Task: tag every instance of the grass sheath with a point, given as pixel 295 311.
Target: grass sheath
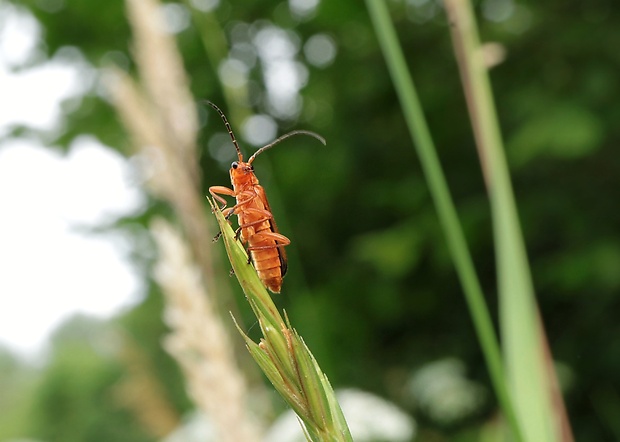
pixel 282 354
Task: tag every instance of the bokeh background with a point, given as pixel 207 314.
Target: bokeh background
pixel 371 286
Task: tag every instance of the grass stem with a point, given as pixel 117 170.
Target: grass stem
pixel 446 210
pixel 530 377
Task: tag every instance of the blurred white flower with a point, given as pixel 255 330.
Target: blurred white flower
pixel 195 428
pixel 369 417
pixel 303 8
pixel 320 50
pixel 441 391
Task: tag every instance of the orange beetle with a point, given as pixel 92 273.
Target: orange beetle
pixel 256 224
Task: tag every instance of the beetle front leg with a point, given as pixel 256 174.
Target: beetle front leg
pixel 216 191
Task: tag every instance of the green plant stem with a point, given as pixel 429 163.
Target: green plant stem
pixel 530 378
pixel 420 134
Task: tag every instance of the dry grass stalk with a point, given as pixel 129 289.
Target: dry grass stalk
pixel 160 114
pixel 164 78
pixel 199 341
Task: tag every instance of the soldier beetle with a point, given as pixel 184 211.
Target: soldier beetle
pixel 257 228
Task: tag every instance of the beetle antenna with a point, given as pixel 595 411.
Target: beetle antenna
pixel 228 128
pixel 284 137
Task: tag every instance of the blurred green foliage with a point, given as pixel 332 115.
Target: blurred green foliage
pixel 372 287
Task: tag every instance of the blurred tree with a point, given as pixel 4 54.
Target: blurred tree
pixel 74 400
pixel 373 290
pixel 17 383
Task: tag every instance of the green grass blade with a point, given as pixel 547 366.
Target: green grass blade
pixel 278 346
pixel 530 380
pixel 311 382
pixel 423 142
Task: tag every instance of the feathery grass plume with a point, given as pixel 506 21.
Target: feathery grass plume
pixel 199 341
pixel 283 355
pixel 160 115
pixel 164 78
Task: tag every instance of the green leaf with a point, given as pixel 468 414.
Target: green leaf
pixel 563 131
pixel 392 252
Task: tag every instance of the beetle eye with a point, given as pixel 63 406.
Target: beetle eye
pixel 234 165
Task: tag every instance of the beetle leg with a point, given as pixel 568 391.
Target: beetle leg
pixel 231 211
pixel 241 201
pixel 216 191
pixel 281 240
pixel 237 232
pixel 251 210
pixel 228 213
